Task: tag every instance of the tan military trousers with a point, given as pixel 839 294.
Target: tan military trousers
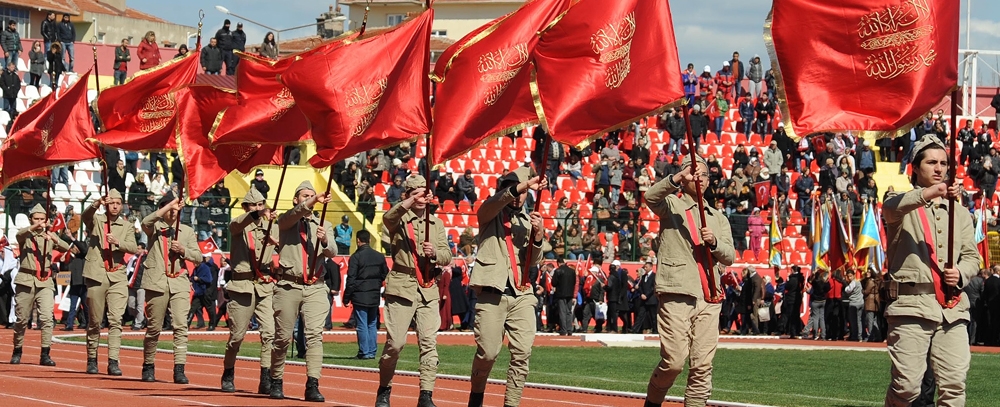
pixel 157 304
pixel 241 308
pixel 41 299
pixel 398 314
pixel 496 316
pixel 104 296
pixel 689 328
pixel 288 301
pixel 911 340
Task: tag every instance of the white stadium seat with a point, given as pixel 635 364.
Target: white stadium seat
pixel 19 105
pixel 44 91
pixel 60 191
pixel 31 92
pixel 91 95
pixel 21 221
pixel 20 65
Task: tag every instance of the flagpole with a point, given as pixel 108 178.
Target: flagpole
pixel 45 242
pixel 710 267
pixel 177 227
pixel 201 18
pixel 542 168
pixel 322 218
pixel 950 292
pixel 104 171
pixel 270 223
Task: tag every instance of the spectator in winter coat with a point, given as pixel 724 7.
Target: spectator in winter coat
pixel 467 187
pixel 67 35
pixel 11 84
pixel 203 282
pixel 239 44
pixel 725 82
pixel 677 130
pixel 268 47
pixel 50 30
pixel 366 271
pixel 122 58
pixel 225 42
pixel 148 52
pixel 36 64
pixel 56 67
pixel 10 41
pixel 773 159
pixel 690 79
pixel 739 72
pixel 765 112
pixel 747 114
pixel 211 58
pixel 755 74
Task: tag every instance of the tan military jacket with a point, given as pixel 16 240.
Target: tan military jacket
pixel 27 274
pixel 154 278
pixel 244 279
pixel 94 268
pixel 290 260
pixel 677 271
pixel 493 261
pixel 402 279
pixel 908 256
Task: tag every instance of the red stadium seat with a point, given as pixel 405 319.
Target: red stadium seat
pixel 448 207
pixel 749 257
pixel 796 219
pixel 465 208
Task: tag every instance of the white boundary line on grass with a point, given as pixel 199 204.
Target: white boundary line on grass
pixel 573 389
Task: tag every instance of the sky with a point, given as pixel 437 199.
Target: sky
pixel 707 31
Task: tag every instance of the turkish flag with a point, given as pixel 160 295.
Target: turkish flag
pixel 864 65
pixel 484 80
pixel 56 136
pixel 59 223
pixel 604 65
pixel 198 106
pixel 371 93
pixel 763 191
pixel 208 246
pixel 139 115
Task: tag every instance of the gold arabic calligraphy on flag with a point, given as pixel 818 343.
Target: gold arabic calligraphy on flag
pixel 362 104
pixel 156 112
pixel 282 102
pixel 499 67
pixel 613 45
pixel 898 38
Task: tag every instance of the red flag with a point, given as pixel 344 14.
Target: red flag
pixel 862 65
pixel 344 92
pixel 59 223
pixel 4 242
pixel 24 119
pixel 483 89
pixel 208 246
pixel 840 245
pixel 763 191
pixel 198 107
pixel 139 115
pixel 604 65
pixel 57 136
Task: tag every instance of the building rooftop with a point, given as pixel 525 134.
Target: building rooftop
pixel 59 6
pixel 78 7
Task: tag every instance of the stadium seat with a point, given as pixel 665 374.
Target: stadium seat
pixel 19 105
pixel 748 256
pixel 21 67
pixel 44 91
pixel 21 221
pixel 31 93
pixel 449 207
pixel 464 208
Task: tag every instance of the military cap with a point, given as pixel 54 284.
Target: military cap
pixel 253 196
pixel 114 194
pixel 413 182
pixel 37 209
pixel 304 186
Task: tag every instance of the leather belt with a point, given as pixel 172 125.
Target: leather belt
pixel 916 288
pixel 508 292
pixel 294 279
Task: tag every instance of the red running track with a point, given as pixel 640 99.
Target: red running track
pixel 29 384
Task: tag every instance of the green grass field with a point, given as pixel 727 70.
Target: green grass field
pixel 783 378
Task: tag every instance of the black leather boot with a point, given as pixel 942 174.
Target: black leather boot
pixel 276 389
pixel 148 372
pixel 265 381
pixel 312 390
pixel 227 380
pixel 45 360
pixel 179 377
pixel 113 368
pixel 15 358
pixel 91 365
pixel 651 404
pixel 426 399
pixel 382 398
pixel 475 399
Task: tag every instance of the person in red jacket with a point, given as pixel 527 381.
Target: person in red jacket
pixel 149 52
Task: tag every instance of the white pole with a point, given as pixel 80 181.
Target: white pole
pixel 968 24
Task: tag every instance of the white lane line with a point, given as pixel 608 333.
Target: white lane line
pixel 39 400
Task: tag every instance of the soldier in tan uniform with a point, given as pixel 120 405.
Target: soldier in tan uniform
pixel 250 287
pixel 296 292
pixel 506 302
pixel 33 286
pixel 169 250
pixel 408 293
pixel 920 328
pixel 109 237
pixel 688 324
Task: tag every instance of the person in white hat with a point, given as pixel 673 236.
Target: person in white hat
pixel 593 289
pixel 300 288
pixel 110 236
pixel 250 287
pixel 725 82
pixel 34 284
pixel 689 295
